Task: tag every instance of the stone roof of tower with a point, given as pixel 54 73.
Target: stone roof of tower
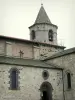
pixel 42 17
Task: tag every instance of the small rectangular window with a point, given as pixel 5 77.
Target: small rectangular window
pixel 69 80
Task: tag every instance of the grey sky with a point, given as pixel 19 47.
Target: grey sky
pixel 17 15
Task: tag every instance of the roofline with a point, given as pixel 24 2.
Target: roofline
pixel 27 62
pixel 31 42
pixel 43 23
pixel 63 53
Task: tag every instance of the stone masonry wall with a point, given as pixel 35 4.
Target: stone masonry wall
pixel 32 51
pixel 68 63
pixel 2 47
pixel 25 48
pixel 47 51
pixel 13 49
pixel 30 80
pixel 29 50
pixel 41 32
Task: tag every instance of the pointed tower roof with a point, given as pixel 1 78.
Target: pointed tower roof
pixel 42 17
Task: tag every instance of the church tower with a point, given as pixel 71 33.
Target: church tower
pixel 43 30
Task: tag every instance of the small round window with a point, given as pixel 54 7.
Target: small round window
pixel 45 74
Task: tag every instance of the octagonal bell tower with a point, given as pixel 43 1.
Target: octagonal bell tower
pixel 43 30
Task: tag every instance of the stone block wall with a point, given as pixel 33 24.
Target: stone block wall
pixel 2 47
pixel 25 48
pixel 30 80
pixel 46 51
pixel 13 49
pixel 68 63
pixel 32 51
pixel 41 33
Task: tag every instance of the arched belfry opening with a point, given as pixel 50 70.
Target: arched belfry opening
pixel 46 91
pixel 50 35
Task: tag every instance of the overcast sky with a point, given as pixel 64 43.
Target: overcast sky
pixel 17 15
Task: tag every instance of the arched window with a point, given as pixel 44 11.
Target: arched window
pixel 50 35
pixel 69 80
pixel 14 79
pixel 33 34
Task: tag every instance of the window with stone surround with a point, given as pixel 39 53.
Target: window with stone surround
pixel 69 80
pixel 14 79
